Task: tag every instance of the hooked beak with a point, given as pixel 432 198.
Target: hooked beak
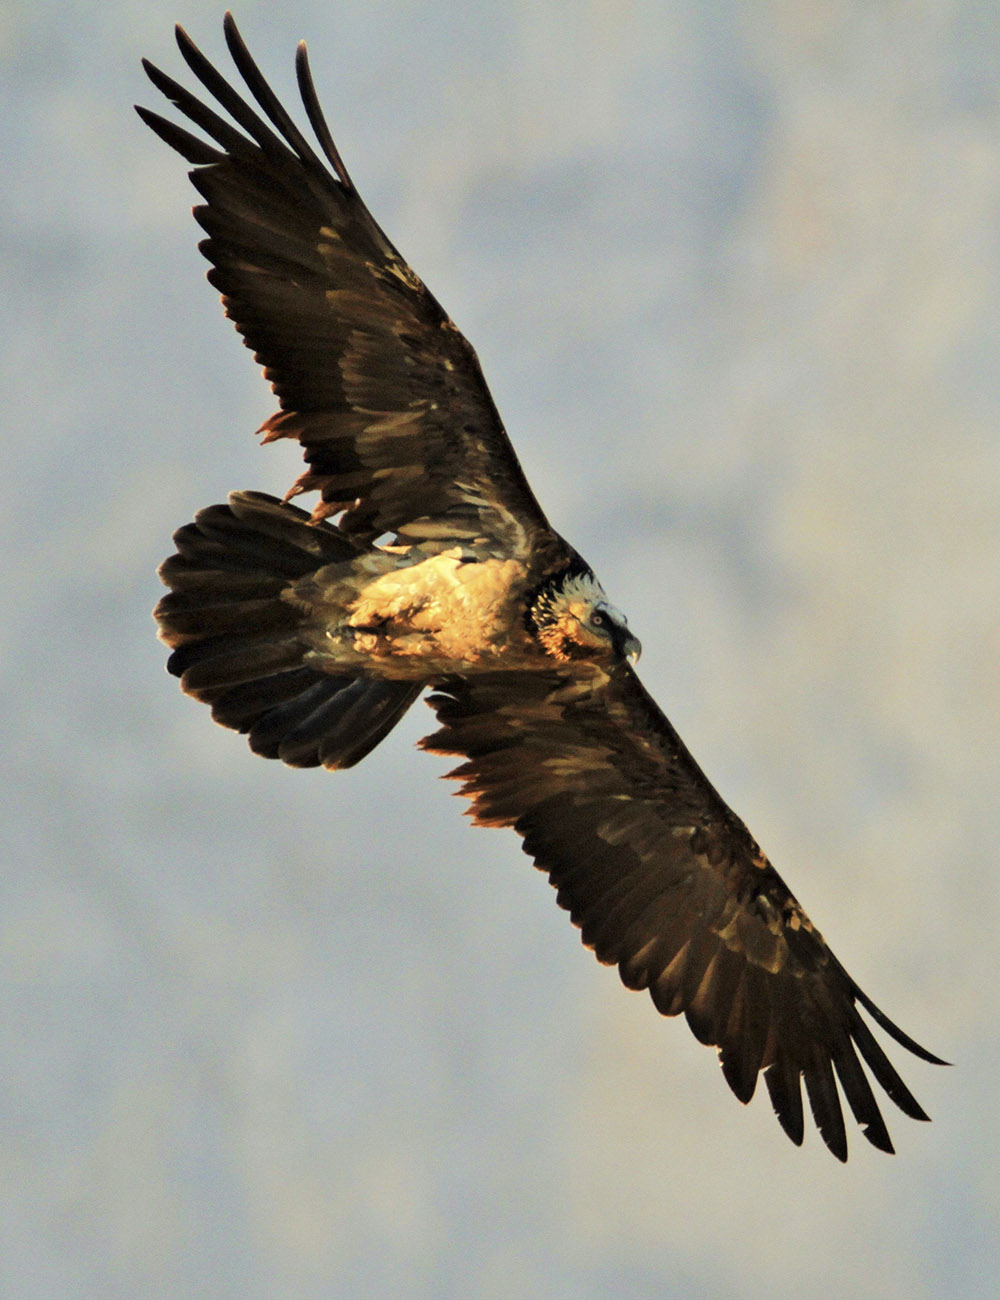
pixel 629 647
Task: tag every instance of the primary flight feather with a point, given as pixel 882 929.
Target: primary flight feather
pixel 428 563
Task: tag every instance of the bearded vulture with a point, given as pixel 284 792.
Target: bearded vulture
pixel 428 563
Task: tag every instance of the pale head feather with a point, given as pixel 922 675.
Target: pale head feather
pixel 574 619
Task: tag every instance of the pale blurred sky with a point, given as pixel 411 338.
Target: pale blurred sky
pixel 732 271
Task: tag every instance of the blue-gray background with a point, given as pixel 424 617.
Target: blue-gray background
pixel 732 271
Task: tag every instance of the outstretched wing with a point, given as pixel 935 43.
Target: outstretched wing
pixel 382 391
pixel 666 883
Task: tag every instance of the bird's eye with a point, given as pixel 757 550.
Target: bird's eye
pixel 597 619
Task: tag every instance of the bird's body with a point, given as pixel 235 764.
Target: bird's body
pixel 428 563
pixel 414 617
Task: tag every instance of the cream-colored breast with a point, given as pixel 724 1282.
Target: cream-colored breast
pixel 460 608
pixel 445 613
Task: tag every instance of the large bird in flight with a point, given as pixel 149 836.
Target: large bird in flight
pixel 428 563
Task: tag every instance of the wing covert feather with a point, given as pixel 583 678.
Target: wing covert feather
pixel 666 882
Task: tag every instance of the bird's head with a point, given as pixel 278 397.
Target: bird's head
pixel 573 619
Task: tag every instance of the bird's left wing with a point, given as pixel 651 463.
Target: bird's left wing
pixel 384 394
pixel 666 883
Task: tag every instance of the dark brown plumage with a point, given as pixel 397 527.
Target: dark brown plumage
pixel 314 634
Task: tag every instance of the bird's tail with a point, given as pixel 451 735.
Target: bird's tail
pixel 235 637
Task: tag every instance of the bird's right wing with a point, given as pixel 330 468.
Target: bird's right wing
pixel 666 883
pixel 384 394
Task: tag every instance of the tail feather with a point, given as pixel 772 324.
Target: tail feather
pixel 335 722
pixel 192 617
pixel 207 667
pixel 184 574
pixel 235 638
pixel 240 706
pixel 258 533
